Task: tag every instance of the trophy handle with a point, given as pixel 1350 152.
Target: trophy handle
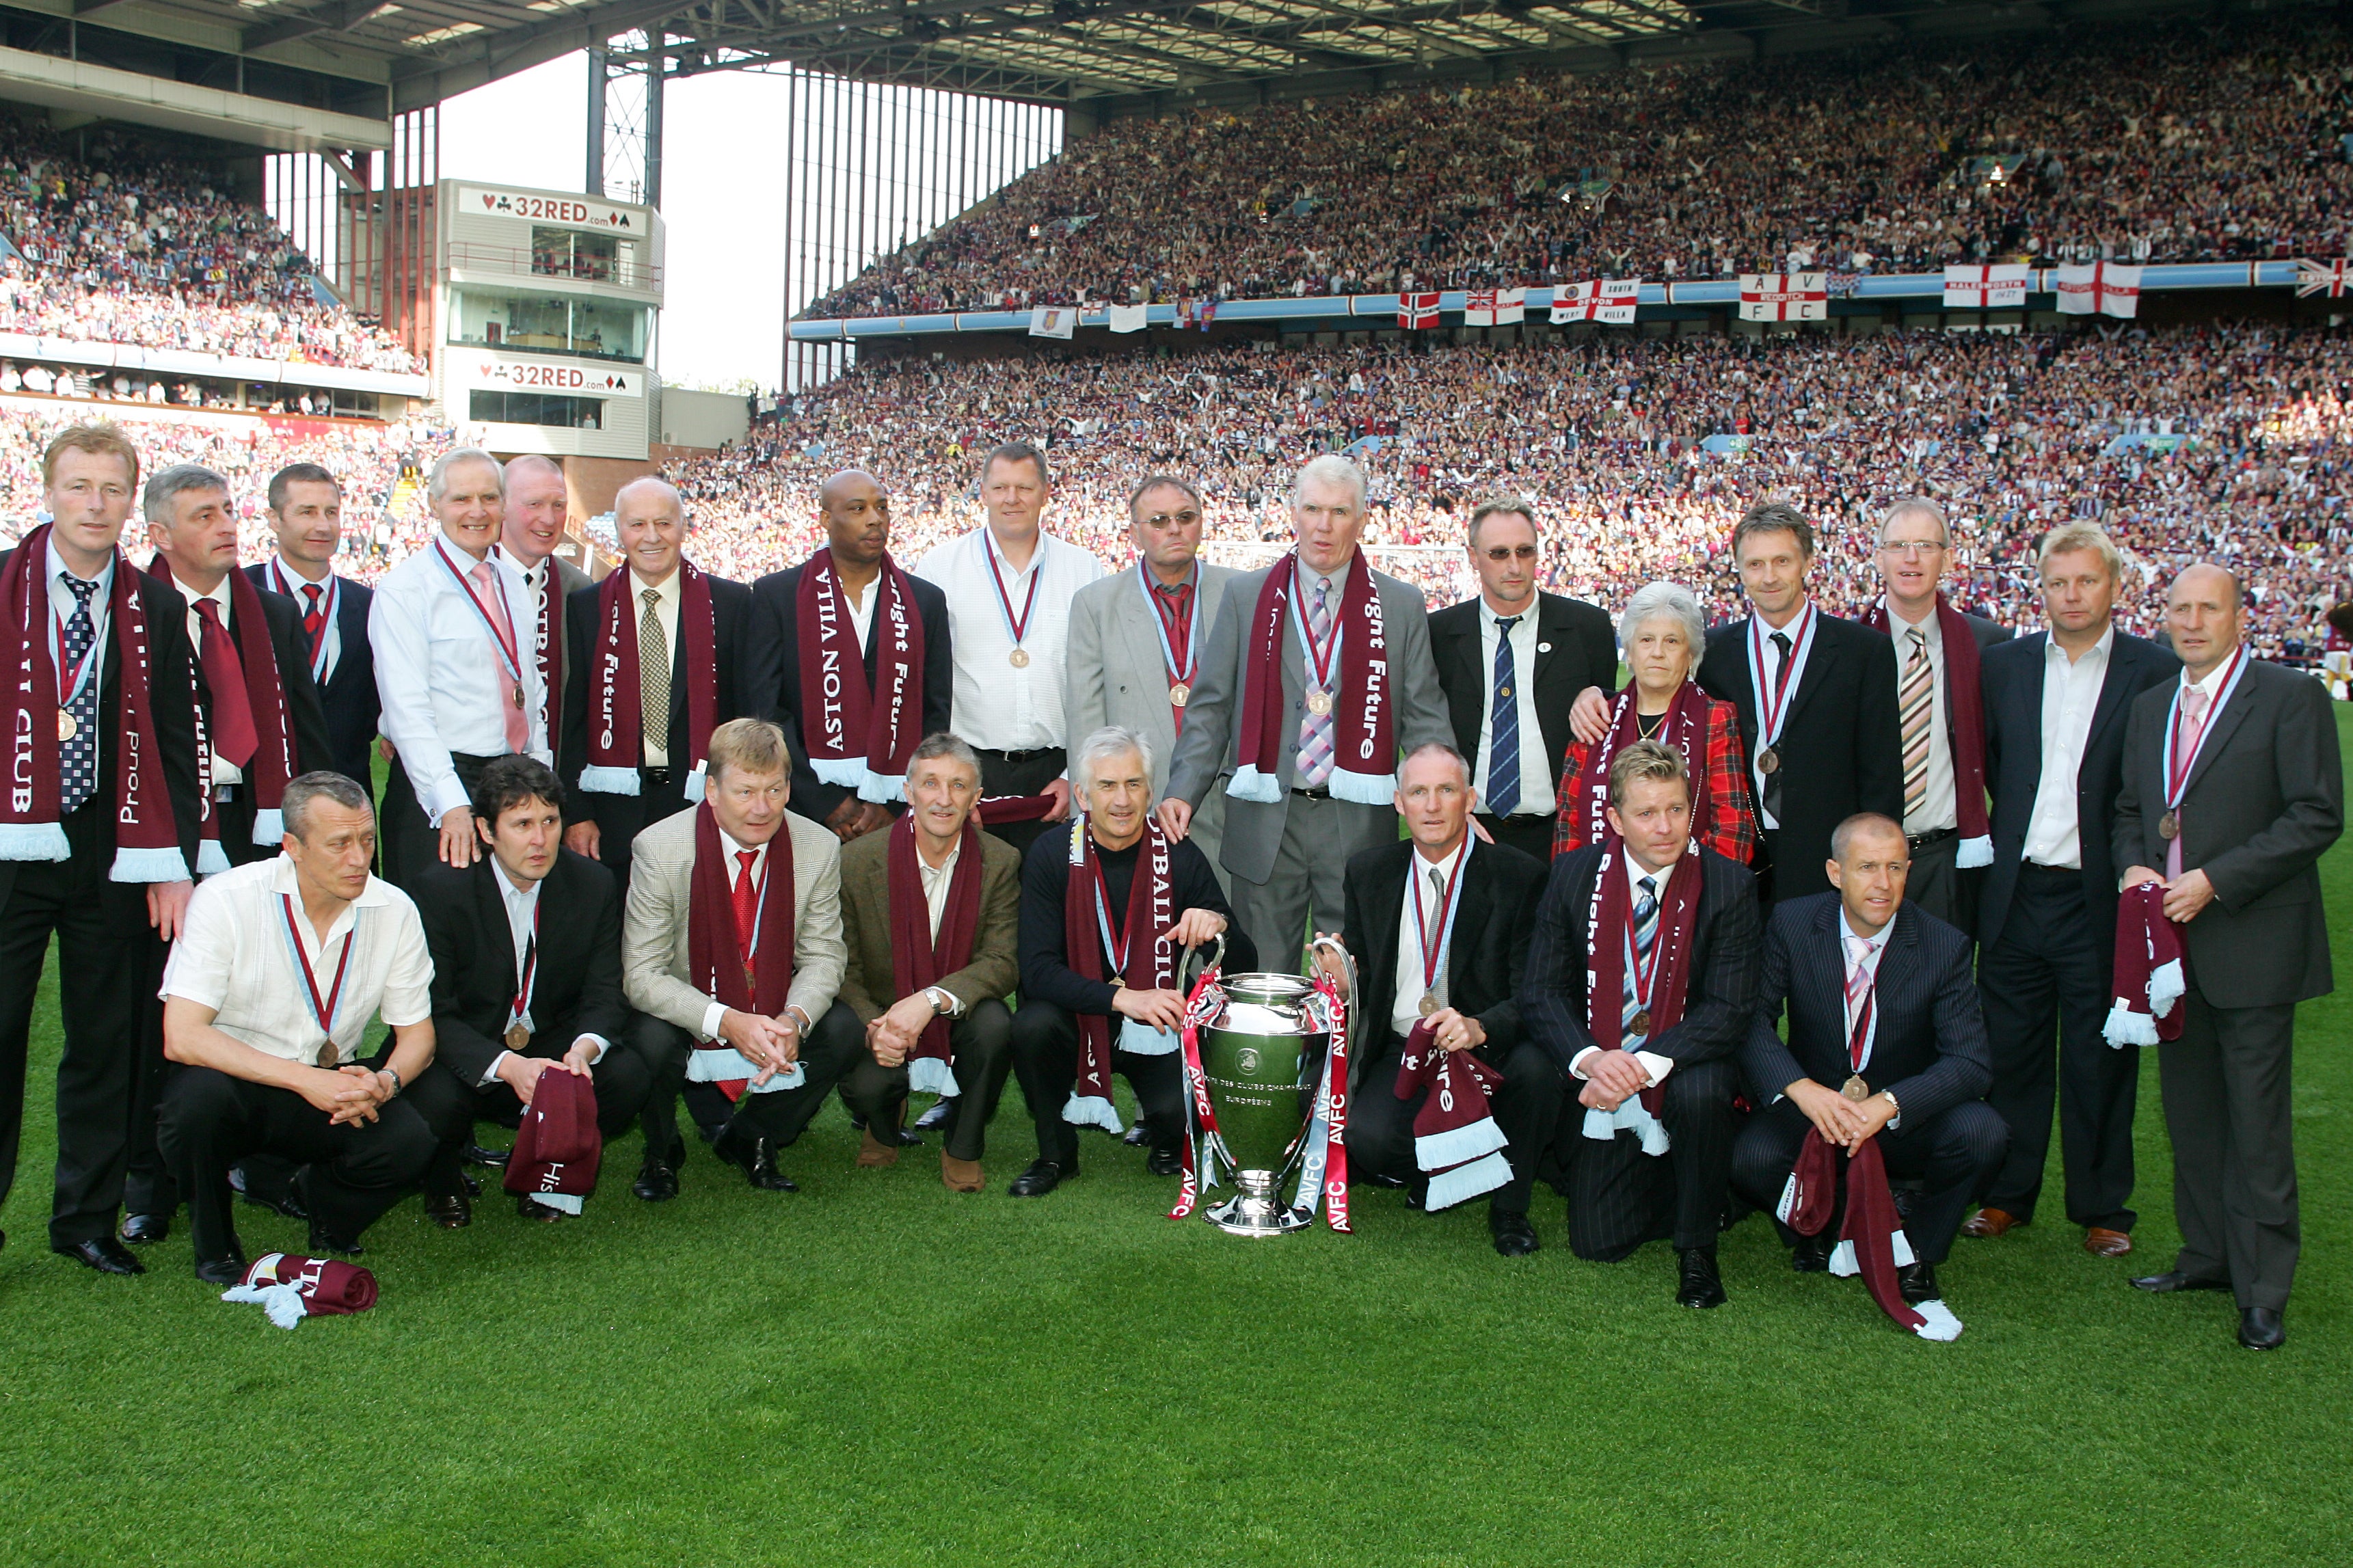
pixel 1347 961
pixel 1217 957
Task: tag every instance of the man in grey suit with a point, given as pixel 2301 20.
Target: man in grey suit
pixel 1285 852
pixel 1137 638
pixel 2233 785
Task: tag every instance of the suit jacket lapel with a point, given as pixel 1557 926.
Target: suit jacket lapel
pixel 490 902
pixel 1471 912
pixel 2219 730
pixel 1810 680
pixel 1389 894
pixel 2117 688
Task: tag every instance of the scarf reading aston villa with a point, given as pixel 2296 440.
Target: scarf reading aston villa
pixel 717 962
pixel 616 706
pixel 557 1145
pixel 918 960
pixel 1364 739
pixel 1964 713
pixel 859 737
pixel 1685 728
pixel 1093 950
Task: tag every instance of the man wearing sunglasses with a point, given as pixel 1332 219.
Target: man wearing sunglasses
pixel 1512 662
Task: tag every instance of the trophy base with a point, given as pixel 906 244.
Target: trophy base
pixel 1254 1210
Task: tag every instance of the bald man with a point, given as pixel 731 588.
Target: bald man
pixel 538 497
pixel 850 653
pixel 656 656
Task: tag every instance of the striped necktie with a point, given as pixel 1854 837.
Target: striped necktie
pixel 1503 724
pixel 653 675
pixel 1646 931
pixel 1916 705
pixel 1315 729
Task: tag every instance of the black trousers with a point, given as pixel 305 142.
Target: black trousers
pixel 980 1046
pixel 1526 1108
pixel 1936 883
pixel 1021 773
pixel 1620 1198
pixel 409 842
pixel 1046 1060
pixel 619 819
pixel 452 1106
pixel 358 1170
pixel 2046 982
pixel 107 957
pixel 2225 1082
pixel 1953 1154
pixel 1529 835
pixel 778 1116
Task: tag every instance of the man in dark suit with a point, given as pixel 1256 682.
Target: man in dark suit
pixel 2055 706
pixel 1817 700
pixel 857 519
pixel 2233 790
pixel 105 871
pixel 306 512
pixel 1512 662
pixel 538 500
pixel 1637 1171
pixel 609 807
pixel 1939 710
pixel 517 995
pixel 1886 1041
pixel 1438 931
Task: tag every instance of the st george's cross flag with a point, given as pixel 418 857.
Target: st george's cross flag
pixel 2102 289
pixel 1784 297
pixel 1609 300
pixel 1986 287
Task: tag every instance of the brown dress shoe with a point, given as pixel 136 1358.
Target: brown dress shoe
pixel 873 1152
pixel 2102 1242
pixel 1988 1222
pixel 961 1175
pixel 450 1211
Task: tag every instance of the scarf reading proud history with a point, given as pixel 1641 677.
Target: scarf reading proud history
pixel 918 960
pixel 616 706
pixel 1965 716
pixel 1090 948
pixel 1660 988
pixel 146 834
pixel 1684 727
pixel 859 737
pixel 715 952
pixel 1364 739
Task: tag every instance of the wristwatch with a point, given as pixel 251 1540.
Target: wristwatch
pixel 396 1085
pixel 1898 1104
pixel 941 1003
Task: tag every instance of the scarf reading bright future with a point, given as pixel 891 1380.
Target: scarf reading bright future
pixel 1683 726
pixel 715 951
pixel 919 959
pixel 616 706
pixel 1608 916
pixel 146 834
pixel 1364 739
pixel 1965 719
pixel 858 737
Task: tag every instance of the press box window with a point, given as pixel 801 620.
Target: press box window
pixel 536 408
pixel 556 323
pixel 570 253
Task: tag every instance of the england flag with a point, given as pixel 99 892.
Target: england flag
pixel 1784 296
pixel 1609 300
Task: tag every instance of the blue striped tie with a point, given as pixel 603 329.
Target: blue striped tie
pixel 1503 750
pixel 1646 931
pixel 78 754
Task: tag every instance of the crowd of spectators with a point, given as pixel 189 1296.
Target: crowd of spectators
pixel 116 246
pixel 2191 141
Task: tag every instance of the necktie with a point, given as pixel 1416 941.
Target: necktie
pixel 1437 987
pixel 1858 997
pixel 1315 729
pixel 1178 614
pixel 78 754
pixel 747 906
pixel 653 674
pixel 1914 707
pixel 1646 931
pixel 517 722
pixel 1772 791
pixel 233 736
pixel 314 617
pixel 1504 753
pixel 2193 725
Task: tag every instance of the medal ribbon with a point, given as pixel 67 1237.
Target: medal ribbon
pixel 1645 980
pixel 1772 710
pixel 321 1012
pixel 1114 952
pixel 1858 1041
pixel 327 603
pixel 2177 777
pixel 1163 622
pixel 1016 629
pixel 1433 959
pixel 506 641
pixel 70 681
pixel 530 970
pixel 1320 664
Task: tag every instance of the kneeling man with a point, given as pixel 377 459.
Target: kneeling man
pixel 1886 1041
pixel 278 968
pixel 526 945
pixel 928 910
pixel 1439 927
pixel 1108 907
pixel 1641 983
pixel 730 949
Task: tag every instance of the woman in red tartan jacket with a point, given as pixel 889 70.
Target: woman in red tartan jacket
pixel 1661 634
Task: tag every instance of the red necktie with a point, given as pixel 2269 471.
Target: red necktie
pixel 747 903
pixel 233 733
pixel 314 619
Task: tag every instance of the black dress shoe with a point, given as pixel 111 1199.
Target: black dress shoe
pixel 1697 1284
pixel 280 1200
pixel 2173 1280
pixel 751 1153
pixel 472 1183
pixel 1385 1181
pixel 141 1228
pixel 452 1211
pixel 1916 1282
pixel 857 1123
pixel 529 1208
pixel 1137 1136
pixel 225 1270
pixel 656 1183
pixel 102 1253
pixel 1812 1253
pixel 909 1139
pixel 1515 1237
pixel 2260 1329
pixel 937 1116
pixel 495 1158
pixel 1042 1177
pixel 325 1242
pixel 1165 1163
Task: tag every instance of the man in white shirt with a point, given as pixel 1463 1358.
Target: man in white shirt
pixel 266 1002
pixel 530 531
pixel 451 632
pixel 305 514
pixel 1009 585
pixel 2055 705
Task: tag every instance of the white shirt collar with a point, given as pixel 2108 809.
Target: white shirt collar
pixel 944 867
pixel 1526 617
pixel 287 573
pixel 1423 865
pixel 59 568
pixel 760 853
pixel 1930 625
pixel 1634 872
pixel 667 590
pixel 2100 649
pixel 283 879
pixel 219 595
pixel 2213 684
pixel 1877 943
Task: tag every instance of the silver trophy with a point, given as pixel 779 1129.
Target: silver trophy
pixel 1260 1049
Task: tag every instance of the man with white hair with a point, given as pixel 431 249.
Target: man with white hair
pixel 451 635
pixel 1307 702
pixel 537 497
pixel 1108 907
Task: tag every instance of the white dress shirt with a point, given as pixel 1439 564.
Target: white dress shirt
pixel 668 595
pixel 442 676
pixel 61 609
pixel 1535 773
pixel 862 604
pixel 225 773
pixel 285 578
pixel 1940 803
pixel 2071 694
pixel 1405 1010
pixel 522 927
pixel 997 707
pixel 936 882
pixel 1800 631
pixel 235 955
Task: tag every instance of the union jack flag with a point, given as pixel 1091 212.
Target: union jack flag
pixel 2312 277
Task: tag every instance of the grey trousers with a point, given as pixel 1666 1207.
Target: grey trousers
pixel 1319 836
pixel 2225 1083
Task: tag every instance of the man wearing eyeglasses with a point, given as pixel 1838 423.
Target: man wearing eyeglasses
pixel 1940 712
pixel 1512 662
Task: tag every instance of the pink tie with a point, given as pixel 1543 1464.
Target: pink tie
pixel 518 722
pixel 2193 725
